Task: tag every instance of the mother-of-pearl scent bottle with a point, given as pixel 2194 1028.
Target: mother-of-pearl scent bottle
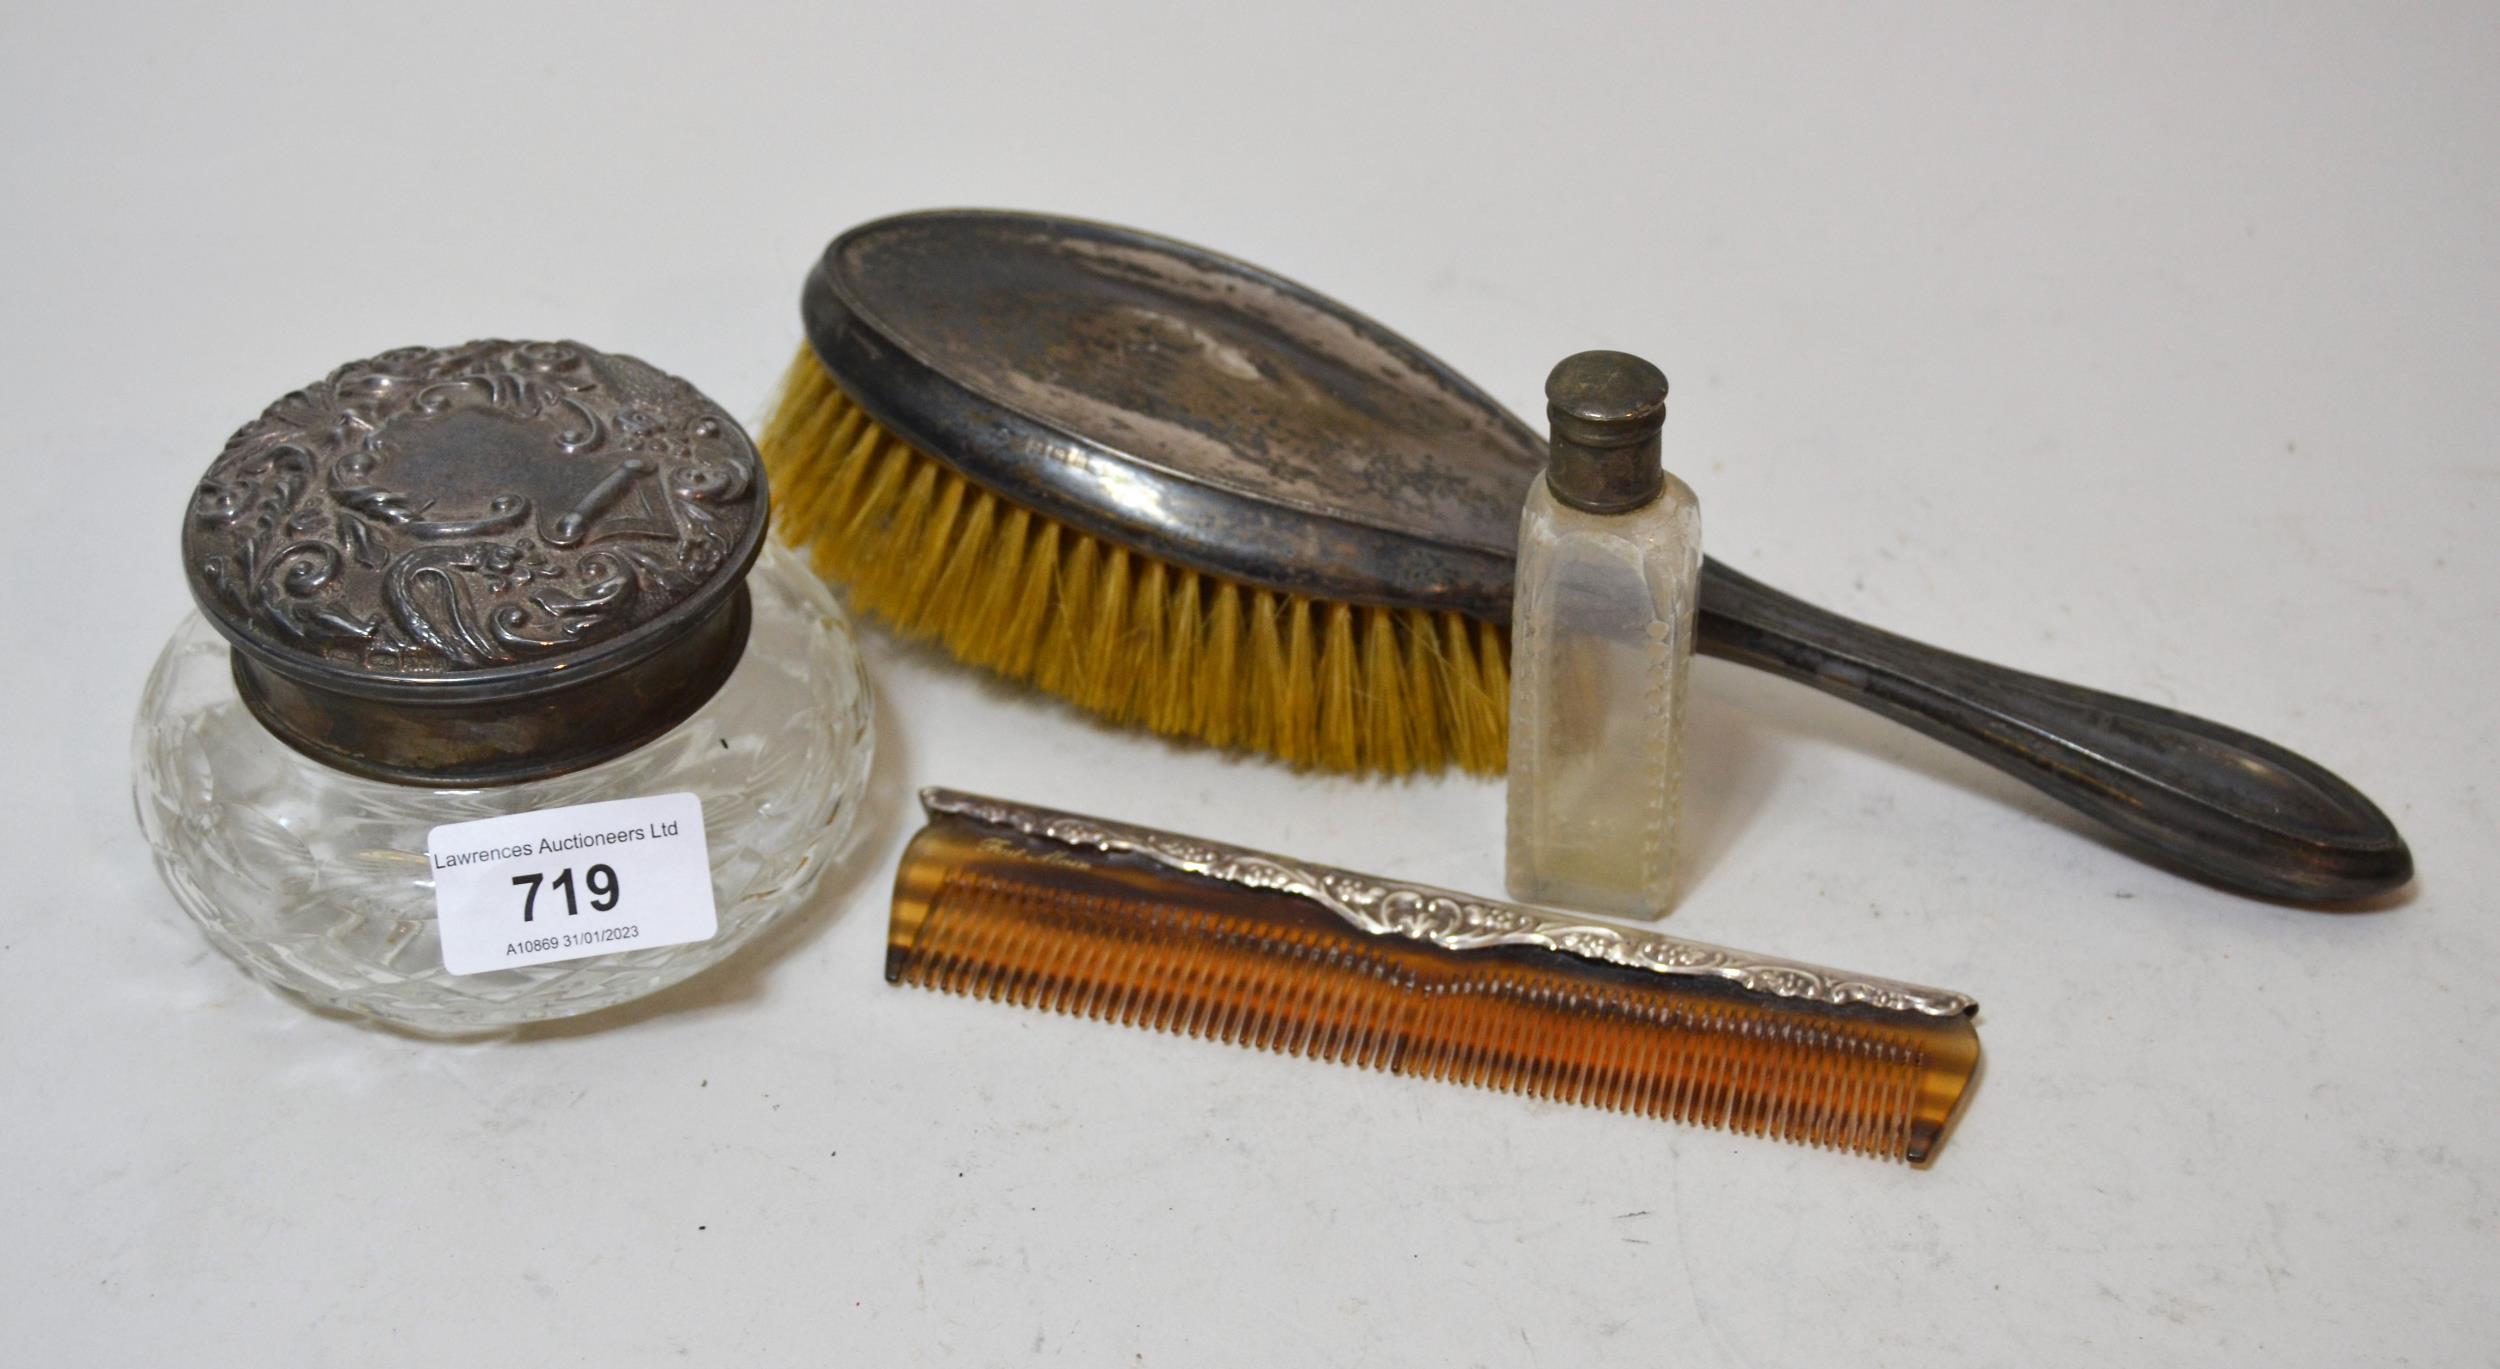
pixel 1601 636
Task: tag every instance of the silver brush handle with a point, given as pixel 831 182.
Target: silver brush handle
pixel 2231 808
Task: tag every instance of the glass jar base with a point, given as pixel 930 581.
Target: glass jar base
pixel 318 882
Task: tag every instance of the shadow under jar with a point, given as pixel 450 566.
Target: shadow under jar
pixel 451 584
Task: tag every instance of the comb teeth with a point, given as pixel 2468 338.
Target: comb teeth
pixel 1538 1024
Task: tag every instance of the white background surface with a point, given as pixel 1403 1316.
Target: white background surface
pixel 2151 348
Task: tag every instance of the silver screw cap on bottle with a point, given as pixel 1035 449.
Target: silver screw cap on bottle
pixel 481 564
pixel 1606 409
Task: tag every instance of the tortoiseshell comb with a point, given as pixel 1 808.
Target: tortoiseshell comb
pixel 1053 910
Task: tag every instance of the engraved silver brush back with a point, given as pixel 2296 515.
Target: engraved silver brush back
pixel 1179 402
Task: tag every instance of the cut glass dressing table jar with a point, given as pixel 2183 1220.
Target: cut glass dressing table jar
pixel 452 584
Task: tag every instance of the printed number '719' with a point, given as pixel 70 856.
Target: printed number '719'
pixel 599 879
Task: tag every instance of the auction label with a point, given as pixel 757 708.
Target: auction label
pixel 563 883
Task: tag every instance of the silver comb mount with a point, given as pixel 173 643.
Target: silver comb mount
pixel 1451 921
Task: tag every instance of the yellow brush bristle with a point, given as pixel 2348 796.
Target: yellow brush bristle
pixel 1139 640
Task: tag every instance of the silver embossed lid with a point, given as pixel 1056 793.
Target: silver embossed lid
pixel 479 564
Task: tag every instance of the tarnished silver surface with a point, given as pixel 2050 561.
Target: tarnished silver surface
pixel 1208 413
pixel 480 563
pixel 1605 410
pixel 1449 920
pixel 1180 402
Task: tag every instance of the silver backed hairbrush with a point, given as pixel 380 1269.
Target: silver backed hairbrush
pixel 1196 497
